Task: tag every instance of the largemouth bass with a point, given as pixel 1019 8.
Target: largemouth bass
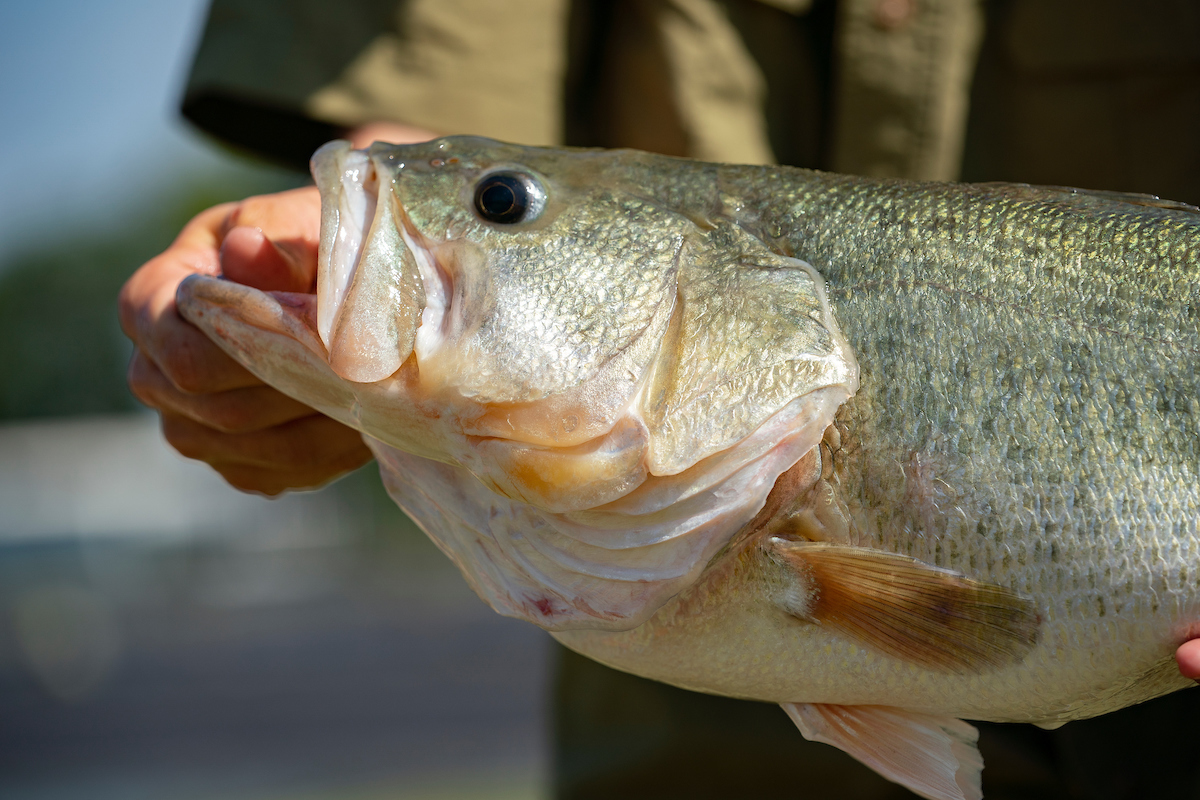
pixel 886 453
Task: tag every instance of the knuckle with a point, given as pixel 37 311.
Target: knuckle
pixel 254 481
pixel 145 382
pixel 181 435
pixel 126 309
pixel 144 395
pixel 137 374
pixel 138 293
pixel 185 373
pixel 232 418
pixel 131 302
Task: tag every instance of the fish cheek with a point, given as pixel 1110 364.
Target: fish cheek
pixel 584 412
pixel 753 331
pixel 569 299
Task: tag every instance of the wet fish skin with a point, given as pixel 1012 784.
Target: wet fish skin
pixel 1027 414
pixel 1024 413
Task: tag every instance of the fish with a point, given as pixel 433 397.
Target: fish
pixel 890 454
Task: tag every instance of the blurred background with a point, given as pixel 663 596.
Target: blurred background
pixel 161 635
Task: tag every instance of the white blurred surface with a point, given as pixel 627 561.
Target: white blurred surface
pixel 115 477
pixel 164 636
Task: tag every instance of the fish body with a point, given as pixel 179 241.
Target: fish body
pixel 885 453
pixel 1026 415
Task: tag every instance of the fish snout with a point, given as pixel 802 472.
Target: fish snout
pixel 370 287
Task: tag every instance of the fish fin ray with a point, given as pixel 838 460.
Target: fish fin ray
pixel 935 757
pixel 906 609
pixel 1100 199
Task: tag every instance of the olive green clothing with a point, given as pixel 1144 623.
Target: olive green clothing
pixel 1096 93
pixel 723 81
pixel 1100 94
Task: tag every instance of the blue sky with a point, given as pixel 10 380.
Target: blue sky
pixel 88 97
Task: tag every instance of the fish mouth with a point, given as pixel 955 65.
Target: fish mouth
pixel 354 198
pixel 371 315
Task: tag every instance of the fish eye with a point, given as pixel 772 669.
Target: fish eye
pixel 508 197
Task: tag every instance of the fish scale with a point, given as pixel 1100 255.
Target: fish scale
pixel 1027 456
pixel 886 453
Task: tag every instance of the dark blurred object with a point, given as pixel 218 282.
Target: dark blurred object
pixel 244 40
pixel 1098 94
pixel 617 735
pixel 277 133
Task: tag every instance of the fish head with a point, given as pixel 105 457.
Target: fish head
pixel 497 268
pixel 583 338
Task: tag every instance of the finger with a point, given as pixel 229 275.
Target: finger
pixel 271 482
pixel 192 362
pixel 314 444
pixel 250 258
pixel 234 411
pixel 281 255
pixel 1188 659
pixel 194 250
pixel 148 314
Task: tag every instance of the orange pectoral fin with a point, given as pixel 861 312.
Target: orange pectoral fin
pixel 907 609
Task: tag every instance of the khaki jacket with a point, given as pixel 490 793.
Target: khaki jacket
pixel 1093 93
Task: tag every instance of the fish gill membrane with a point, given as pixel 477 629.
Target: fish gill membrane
pixel 622 393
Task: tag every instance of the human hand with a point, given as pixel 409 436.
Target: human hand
pixel 212 409
pixel 1188 659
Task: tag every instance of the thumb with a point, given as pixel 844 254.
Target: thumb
pixel 1188 658
pixel 249 257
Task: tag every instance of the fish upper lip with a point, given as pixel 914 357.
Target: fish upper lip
pixel 355 211
pixel 356 185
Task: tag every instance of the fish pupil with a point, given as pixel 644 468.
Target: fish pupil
pixel 502 198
